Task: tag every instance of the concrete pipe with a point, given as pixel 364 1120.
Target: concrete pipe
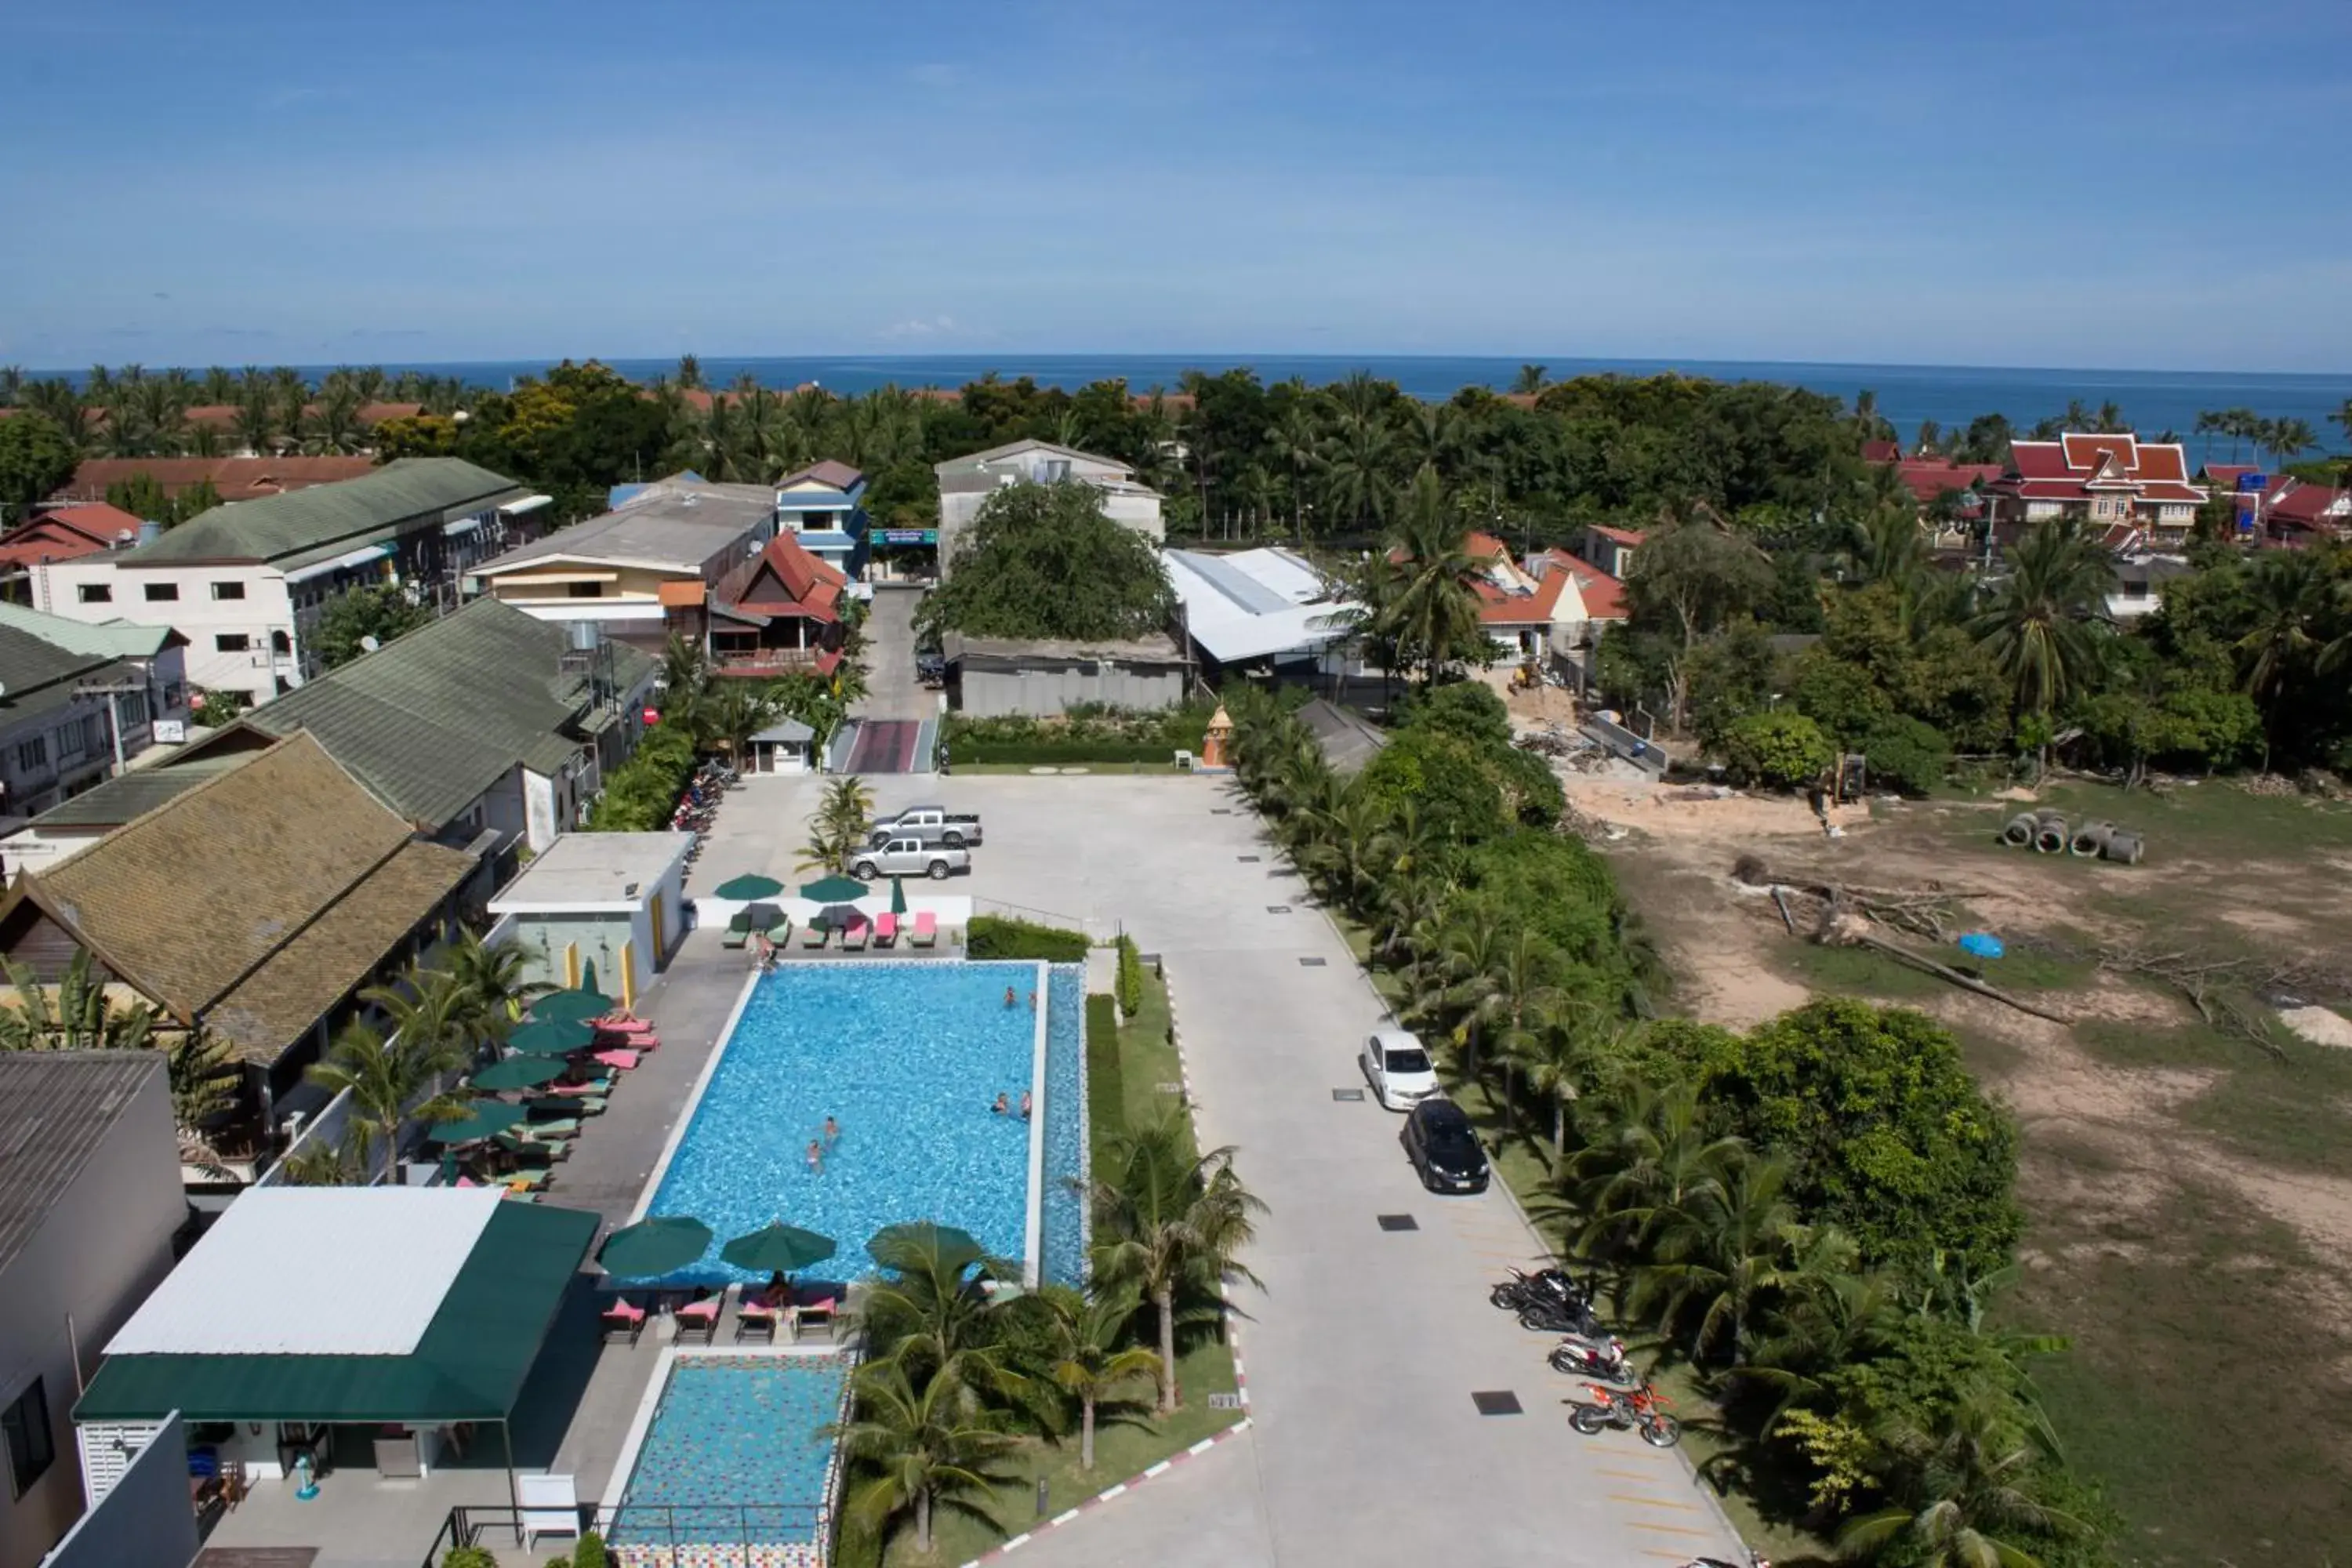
pixel 2050 837
pixel 2021 830
pixel 2123 846
pixel 2050 813
pixel 2090 840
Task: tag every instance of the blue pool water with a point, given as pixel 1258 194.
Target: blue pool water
pixel 733 1450
pixel 1063 1257
pixel 907 1058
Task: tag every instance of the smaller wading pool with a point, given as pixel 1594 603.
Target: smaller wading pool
pixel 728 1470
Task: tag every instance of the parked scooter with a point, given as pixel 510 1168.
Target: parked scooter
pixel 1604 1360
pixel 1522 1289
pixel 1560 1318
pixel 1637 1410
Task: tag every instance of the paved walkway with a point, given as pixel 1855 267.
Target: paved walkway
pixel 891 690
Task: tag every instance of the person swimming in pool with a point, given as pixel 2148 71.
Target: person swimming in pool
pixel 1011 998
pixel 815 1158
pixel 1024 1105
pixel 1003 1107
pixel 832 1132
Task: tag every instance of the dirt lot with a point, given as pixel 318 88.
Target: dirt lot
pixel 2189 1189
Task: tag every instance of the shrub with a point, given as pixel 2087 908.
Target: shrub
pixel 1468 710
pixel 640 795
pixel 1130 976
pixel 1444 779
pixel 477 1557
pixel 1909 753
pixel 1780 749
pixel 1000 936
pixel 1084 734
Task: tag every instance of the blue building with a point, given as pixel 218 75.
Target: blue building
pixel 824 505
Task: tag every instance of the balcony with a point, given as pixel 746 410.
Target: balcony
pixel 767 663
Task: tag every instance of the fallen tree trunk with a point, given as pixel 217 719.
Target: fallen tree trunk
pixel 1947 973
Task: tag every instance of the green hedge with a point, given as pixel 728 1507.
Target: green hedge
pixel 1130 976
pixel 979 751
pixel 997 936
pixel 1084 734
pixel 1105 1088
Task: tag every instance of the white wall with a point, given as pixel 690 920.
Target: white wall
pixel 197 613
pixel 105 1243
pixel 143 1518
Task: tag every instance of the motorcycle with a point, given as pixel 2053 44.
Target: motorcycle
pixel 1636 1410
pixel 1605 1362
pixel 1545 1285
pixel 1560 1318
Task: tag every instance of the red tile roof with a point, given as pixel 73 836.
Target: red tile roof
pixel 1484 546
pixel 1625 536
pixel 1931 476
pixel 2078 462
pixel 828 473
pixel 65 533
pixel 2311 506
pixel 236 478
pixel 1604 595
pixel 1881 452
pixel 785 579
pixel 1500 606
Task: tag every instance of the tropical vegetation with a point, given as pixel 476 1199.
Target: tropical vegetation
pixel 1046 561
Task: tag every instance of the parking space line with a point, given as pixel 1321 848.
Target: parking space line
pixel 1627 1475
pixel 1669 1530
pixel 1651 1502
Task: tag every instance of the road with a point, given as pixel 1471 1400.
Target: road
pixel 1366 1345
pixel 891 690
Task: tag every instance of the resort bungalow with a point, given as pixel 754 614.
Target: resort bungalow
pixel 486 722
pixel 355 1336
pixel 89 1206
pixel 966 482
pixel 257 906
pixel 643 569
pixel 2109 481
pixel 247 581
pixel 1529 616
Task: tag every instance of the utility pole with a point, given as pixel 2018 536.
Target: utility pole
pixel 110 689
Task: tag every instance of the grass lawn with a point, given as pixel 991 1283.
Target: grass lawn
pixel 1129 1441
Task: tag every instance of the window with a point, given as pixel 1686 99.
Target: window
pixel 585 590
pixel 175 695
pixel 231 642
pixel 94 736
pixel 228 590
pixel 33 753
pixel 32 1446
pixel 280 643
pixel 134 709
pixel 158 592
pixel 94 593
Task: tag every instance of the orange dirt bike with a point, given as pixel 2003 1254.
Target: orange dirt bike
pixel 1637 1409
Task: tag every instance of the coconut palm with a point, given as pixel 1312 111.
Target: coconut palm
pixel 930 1451
pixel 1717 1248
pixel 1553 1055
pixel 491 991
pixel 391 1080
pixel 2037 625
pixel 2289 591
pixel 1433 613
pixel 2288 439
pixel 1356 460
pixel 1647 1151
pixel 1530 379
pixel 1091 1362
pixel 1964 1491
pixel 1168 1222
pixel 930 1308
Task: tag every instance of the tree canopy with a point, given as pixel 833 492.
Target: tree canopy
pixel 1043 561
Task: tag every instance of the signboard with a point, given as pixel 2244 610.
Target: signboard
pixel 171 731
pixel 2253 482
pixel 907 536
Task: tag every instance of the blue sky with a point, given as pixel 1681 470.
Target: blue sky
pixel 2001 184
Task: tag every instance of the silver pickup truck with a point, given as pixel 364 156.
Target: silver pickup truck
pixel 931 824
pixel 908 856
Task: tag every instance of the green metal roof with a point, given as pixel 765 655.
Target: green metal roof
pixel 105 639
pixel 327 518
pixel 470 1365
pixel 435 718
pixel 38 675
pixel 138 792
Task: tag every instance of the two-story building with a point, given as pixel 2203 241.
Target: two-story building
pixel 246 583
pixel 967 482
pixel 823 506
pixel 779 612
pixel 62 533
pixel 642 569
pixel 2114 483
pixel 77 701
pixel 483 722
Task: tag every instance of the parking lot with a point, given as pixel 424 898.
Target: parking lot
pixel 1373 1333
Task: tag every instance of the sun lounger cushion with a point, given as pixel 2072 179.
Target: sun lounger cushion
pixel 813 936
pixel 927 928
pixel 617 1058
pixel 886 927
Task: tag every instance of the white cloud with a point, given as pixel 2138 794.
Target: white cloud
pixel 918 328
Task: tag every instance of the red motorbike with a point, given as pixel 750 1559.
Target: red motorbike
pixel 1636 1409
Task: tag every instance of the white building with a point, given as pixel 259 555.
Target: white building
pixel 967 481
pixel 79 701
pixel 613 900
pixel 1253 604
pixel 246 583
pixel 88 1209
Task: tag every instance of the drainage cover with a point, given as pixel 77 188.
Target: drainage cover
pixel 1399 1222
pixel 1249 860
pixel 1277 909
pixel 1224 1402
pixel 1351 1094
pixel 1221 811
pixel 1495 1402
pixel 1311 962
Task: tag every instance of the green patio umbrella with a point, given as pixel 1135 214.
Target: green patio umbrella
pixel 654 1246
pixel 834 891
pixel 488 1117
pixel 748 887
pixel 954 1249
pixel 551 1037
pixel 584 1003
pixel 777 1249
pixel 518 1072
pixel 897 895
pixel 588 982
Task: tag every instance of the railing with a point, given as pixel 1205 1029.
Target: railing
pixel 780 660
pixel 1099 932
pixel 724 1535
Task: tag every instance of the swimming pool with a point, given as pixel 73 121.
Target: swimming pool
pixel 731 1467
pixel 907 1058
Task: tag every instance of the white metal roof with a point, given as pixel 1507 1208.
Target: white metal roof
pixel 594 871
pixel 1254 603
pixel 314 1271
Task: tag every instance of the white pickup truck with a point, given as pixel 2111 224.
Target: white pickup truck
pixel 908 856
pixel 932 825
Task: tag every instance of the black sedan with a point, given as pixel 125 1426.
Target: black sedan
pixel 1443 1147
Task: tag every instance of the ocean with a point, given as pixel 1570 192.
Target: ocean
pixel 2152 401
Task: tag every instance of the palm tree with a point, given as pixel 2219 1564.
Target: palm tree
pixel 1295 440
pixel 1357 461
pixel 930 1308
pixel 1553 1056
pixel 1090 1359
pixel 1167 1221
pixel 930 1451
pixel 2288 439
pixel 1433 614
pixel 1470 952
pixel 1529 380
pixel 2037 625
pixel 490 987
pixel 1719 1247
pixel 392 1080
pixel 1647 1151
pixel 1965 1491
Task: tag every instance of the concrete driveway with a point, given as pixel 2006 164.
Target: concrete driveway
pixel 891 690
pixel 1368 1343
